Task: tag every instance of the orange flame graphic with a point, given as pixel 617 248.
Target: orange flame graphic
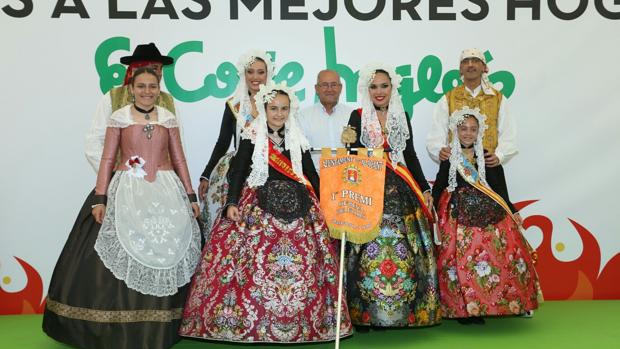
pixel 27 301
pixel 577 279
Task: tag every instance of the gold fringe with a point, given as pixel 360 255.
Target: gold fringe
pixel 111 316
pixel 357 238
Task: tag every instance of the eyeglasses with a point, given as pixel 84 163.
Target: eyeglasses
pixel 326 85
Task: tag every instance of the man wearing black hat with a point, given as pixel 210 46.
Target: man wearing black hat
pixel 146 55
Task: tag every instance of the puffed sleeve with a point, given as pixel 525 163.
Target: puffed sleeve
pixel 108 160
pixel 179 162
pixel 227 131
pixel 506 134
pixel 437 137
pixel 95 136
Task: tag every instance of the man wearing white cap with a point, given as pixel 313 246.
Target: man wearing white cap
pixel 476 92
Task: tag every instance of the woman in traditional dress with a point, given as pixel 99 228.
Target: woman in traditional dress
pixel 484 262
pixel 392 280
pixel 269 273
pixel 121 284
pixel 255 68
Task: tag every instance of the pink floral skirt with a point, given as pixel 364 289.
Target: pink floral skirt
pixel 485 269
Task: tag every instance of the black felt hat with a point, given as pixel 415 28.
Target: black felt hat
pixel 148 52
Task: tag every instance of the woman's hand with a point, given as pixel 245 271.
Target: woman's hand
pixel 98 212
pixel 429 199
pixel 232 212
pixel 202 189
pixel 348 135
pixel 196 209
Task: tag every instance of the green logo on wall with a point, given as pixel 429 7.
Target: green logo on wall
pixel 431 81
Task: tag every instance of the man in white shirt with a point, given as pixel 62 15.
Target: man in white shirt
pixel 322 123
pixel 476 92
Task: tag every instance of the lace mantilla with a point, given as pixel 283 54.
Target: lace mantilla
pixel 136 275
pixel 295 142
pixel 241 95
pixel 456 154
pixel 396 121
pixel 122 118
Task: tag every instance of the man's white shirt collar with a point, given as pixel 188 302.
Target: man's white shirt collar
pixel 475 92
pixel 325 110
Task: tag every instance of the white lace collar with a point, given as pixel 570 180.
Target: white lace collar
pixel 122 118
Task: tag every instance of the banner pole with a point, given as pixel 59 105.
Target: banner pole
pixel 343 239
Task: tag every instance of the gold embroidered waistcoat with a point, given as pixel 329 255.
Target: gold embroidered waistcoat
pixel 489 106
pixel 121 97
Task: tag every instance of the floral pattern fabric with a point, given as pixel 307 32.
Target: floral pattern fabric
pixel 266 280
pixel 485 267
pixel 392 280
pixel 216 194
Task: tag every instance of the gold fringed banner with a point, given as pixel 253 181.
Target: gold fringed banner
pixel 352 193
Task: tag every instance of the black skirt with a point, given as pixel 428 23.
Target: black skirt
pixel 87 307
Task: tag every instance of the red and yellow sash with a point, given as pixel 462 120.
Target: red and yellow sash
pixel 404 173
pixel 282 164
pixel 466 171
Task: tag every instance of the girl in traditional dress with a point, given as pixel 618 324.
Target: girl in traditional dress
pixel 121 285
pixel 392 280
pixel 255 68
pixel 485 265
pixel 269 273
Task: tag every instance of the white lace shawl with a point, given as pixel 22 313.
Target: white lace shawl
pixel 241 94
pixel 122 118
pixel 456 153
pixel 396 121
pixel 295 141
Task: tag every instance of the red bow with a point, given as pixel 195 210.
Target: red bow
pixel 134 161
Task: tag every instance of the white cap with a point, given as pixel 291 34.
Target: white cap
pixel 473 53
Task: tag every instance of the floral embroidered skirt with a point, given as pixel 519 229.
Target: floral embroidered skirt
pixel 266 279
pixel 485 265
pixel 216 194
pixel 87 307
pixel 392 280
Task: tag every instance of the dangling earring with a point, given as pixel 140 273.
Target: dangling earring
pixel 133 98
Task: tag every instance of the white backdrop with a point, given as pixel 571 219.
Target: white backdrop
pixel 565 103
